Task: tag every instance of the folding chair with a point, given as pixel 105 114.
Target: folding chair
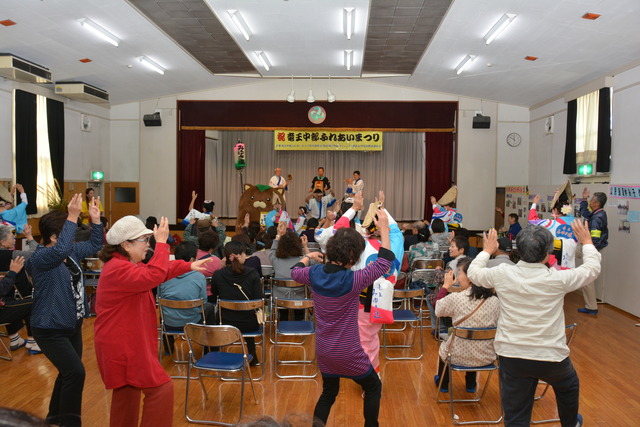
pixel 407 315
pixel 298 328
pixel 249 305
pixel 216 361
pixel 8 357
pixel 570 330
pixel 166 330
pixel 475 334
pixel 267 276
pixel 283 283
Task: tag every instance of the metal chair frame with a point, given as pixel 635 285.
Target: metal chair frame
pixel 570 330
pixel 246 305
pixel 406 315
pixel 178 305
pixel 9 356
pixel 468 334
pixel 215 336
pixel 283 283
pixel 284 303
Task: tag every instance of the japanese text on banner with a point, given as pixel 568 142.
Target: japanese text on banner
pixel 327 140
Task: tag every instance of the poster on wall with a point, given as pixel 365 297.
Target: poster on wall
pixel 624 191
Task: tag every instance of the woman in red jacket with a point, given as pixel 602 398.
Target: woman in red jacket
pixel 126 334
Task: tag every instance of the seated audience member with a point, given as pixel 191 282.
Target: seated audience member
pixel 310 232
pixel 411 238
pixel 335 290
pixel 188 286
pixel 263 243
pixel 278 215
pixel 251 261
pixel 286 251
pixel 501 256
pixel 514 226
pixel 423 248
pixel 438 234
pixel 318 204
pixel 472 307
pixel 13 217
pixel 208 247
pixel 152 222
pixel 531 350
pixel 237 282
pixel 15 294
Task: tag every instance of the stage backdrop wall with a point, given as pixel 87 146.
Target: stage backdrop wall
pixel 398 170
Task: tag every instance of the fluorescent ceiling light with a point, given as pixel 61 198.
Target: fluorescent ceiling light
pixel 99 31
pixel 348 59
pixel 465 63
pixel 499 27
pixel 263 59
pixel 348 21
pixel 240 23
pixel 152 65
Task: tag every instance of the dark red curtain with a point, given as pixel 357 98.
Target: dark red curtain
pixel 191 154
pixel 439 167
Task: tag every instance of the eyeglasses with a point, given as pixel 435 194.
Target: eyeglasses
pixel 142 239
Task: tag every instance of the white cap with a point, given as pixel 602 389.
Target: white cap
pixel 126 228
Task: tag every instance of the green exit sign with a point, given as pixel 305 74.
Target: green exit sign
pixel 97 175
pixel 585 169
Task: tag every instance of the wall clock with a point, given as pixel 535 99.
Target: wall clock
pixel 514 139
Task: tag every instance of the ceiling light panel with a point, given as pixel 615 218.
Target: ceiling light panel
pixel 100 31
pixel 464 64
pixel 152 65
pixel 499 27
pixel 300 47
pixel 240 23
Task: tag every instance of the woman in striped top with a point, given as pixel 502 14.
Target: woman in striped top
pixel 335 289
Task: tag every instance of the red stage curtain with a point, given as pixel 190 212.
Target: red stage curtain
pixel 191 154
pixel 438 168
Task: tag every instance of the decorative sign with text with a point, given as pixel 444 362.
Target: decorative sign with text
pixel 327 140
pixel 624 191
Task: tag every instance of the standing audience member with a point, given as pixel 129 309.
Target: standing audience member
pixel 237 282
pixel 301 223
pixel 126 328
pixel 60 305
pixel 336 290
pixel 472 307
pixel 597 219
pixel 530 341
pixel 14 217
pixel 89 195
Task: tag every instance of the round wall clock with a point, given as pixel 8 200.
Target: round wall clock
pixel 317 115
pixel 514 139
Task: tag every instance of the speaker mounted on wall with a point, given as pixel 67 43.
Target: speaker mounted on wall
pixel 481 122
pixel 152 119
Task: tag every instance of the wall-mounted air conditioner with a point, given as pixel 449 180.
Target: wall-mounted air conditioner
pixel 81 91
pixel 16 68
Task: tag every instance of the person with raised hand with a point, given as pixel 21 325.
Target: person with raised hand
pixel 530 339
pixel 60 305
pixel 126 334
pixel 335 289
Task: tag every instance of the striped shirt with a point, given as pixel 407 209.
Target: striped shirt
pixel 335 293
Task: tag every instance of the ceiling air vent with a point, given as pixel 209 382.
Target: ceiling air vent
pixel 15 68
pixel 81 91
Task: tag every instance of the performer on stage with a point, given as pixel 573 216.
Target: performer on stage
pixel 324 183
pixel 353 186
pixel 277 181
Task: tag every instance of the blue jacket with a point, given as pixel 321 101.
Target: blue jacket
pixel 191 285
pixel 54 306
pixel 597 221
